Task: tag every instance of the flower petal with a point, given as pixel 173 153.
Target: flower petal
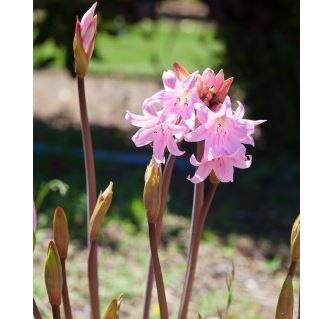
pixel 202 172
pixel 224 169
pixel 173 147
pixel 169 79
pixel 159 145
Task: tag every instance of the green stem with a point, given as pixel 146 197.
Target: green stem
pixel 158 272
pixel 192 259
pixel 150 275
pixel 36 312
pixel 93 281
pixel 56 312
pixel 65 292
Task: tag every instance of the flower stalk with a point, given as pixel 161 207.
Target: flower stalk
pixel 56 312
pixel 157 271
pixel 152 200
pixel 101 207
pixel 36 311
pixel 192 258
pixel 91 198
pixel 150 274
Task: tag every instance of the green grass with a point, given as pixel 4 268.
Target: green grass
pixel 147 48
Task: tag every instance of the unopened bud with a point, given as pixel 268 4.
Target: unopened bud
pixel 295 240
pixel 152 190
pixel 61 232
pixel 180 71
pixel 102 206
pixel 113 310
pixel 84 39
pixel 53 275
pixel 284 309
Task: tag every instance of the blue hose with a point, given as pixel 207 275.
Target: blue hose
pixel 126 158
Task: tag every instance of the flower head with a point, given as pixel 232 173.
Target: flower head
pixel 196 108
pixel 84 39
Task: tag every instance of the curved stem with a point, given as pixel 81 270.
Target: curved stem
pixel 65 293
pixel 93 281
pixel 56 312
pixel 36 312
pixel 158 272
pixel 150 275
pixel 192 261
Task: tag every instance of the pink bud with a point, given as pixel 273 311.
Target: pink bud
pixel 84 40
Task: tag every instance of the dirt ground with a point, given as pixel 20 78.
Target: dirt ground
pixel 55 96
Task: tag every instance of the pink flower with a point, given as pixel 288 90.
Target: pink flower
pixel 224 131
pixel 178 98
pixel 84 40
pixel 154 129
pixel 222 166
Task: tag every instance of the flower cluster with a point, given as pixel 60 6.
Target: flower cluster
pixel 196 108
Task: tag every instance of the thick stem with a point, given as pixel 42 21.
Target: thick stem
pixel 158 272
pixel 65 293
pixel 36 312
pixel 56 312
pixel 192 261
pixel 91 196
pixel 93 281
pixel 88 151
pixel 150 275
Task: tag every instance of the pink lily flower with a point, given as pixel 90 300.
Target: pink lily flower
pixel 162 134
pixel 224 131
pixel 222 166
pixel 178 97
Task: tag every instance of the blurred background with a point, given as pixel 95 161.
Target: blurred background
pixel 250 220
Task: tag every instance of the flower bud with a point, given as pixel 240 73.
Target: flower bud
pixel 84 39
pixel 102 206
pixel 53 275
pixel 152 190
pixel 61 232
pixel 284 309
pixel 113 310
pixel 295 240
pixel 180 71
